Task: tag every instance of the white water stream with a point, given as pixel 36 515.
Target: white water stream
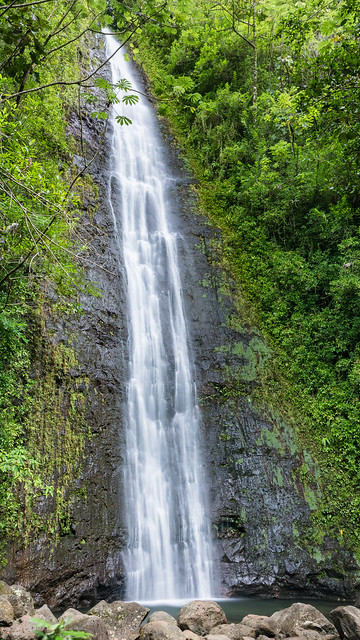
pixel 169 554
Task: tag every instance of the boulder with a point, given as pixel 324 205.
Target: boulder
pixel 21 601
pixel 263 625
pixel 6 612
pixel 162 616
pixel 214 636
pixel 4 588
pixel 312 635
pixel 234 631
pixel 201 616
pixel 44 613
pixel 300 617
pixel 190 635
pixel 123 619
pixel 346 621
pixel 77 621
pixel 160 630
pixel 71 614
pixel 22 629
pixel 304 635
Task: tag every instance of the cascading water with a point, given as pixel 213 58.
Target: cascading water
pixel 169 553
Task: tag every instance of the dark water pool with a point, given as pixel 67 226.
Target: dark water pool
pixel 237 608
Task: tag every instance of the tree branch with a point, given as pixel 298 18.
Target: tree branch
pixel 63 83
pixel 20 6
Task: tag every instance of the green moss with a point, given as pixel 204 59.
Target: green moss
pixel 56 429
pixel 311 498
pixel 317 555
pixel 272 440
pixel 296 532
pixel 279 477
pixel 42 456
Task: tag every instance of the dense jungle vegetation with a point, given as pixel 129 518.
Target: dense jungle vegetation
pixel 264 97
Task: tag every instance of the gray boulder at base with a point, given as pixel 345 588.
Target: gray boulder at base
pixel 6 612
pixel 190 635
pixel 77 621
pixel 44 613
pixel 162 616
pixel 300 617
pixel 4 588
pixel 347 622
pixel 160 630
pixel 21 601
pixel 234 631
pixel 304 635
pixel 201 616
pixel 123 619
pixel 22 629
pixel 263 625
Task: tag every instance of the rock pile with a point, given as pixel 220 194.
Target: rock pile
pixel 197 620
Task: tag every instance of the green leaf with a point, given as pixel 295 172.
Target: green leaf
pixel 123 120
pixel 99 115
pixel 130 99
pixel 123 85
pixel 102 83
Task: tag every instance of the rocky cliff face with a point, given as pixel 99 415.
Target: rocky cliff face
pixel 85 562
pixel 260 504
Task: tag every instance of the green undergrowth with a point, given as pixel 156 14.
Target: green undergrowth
pixel 279 179
pixel 43 437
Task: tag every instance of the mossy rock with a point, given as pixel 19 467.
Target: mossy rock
pixel 5 589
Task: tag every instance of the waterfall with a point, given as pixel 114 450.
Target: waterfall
pixel 169 553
